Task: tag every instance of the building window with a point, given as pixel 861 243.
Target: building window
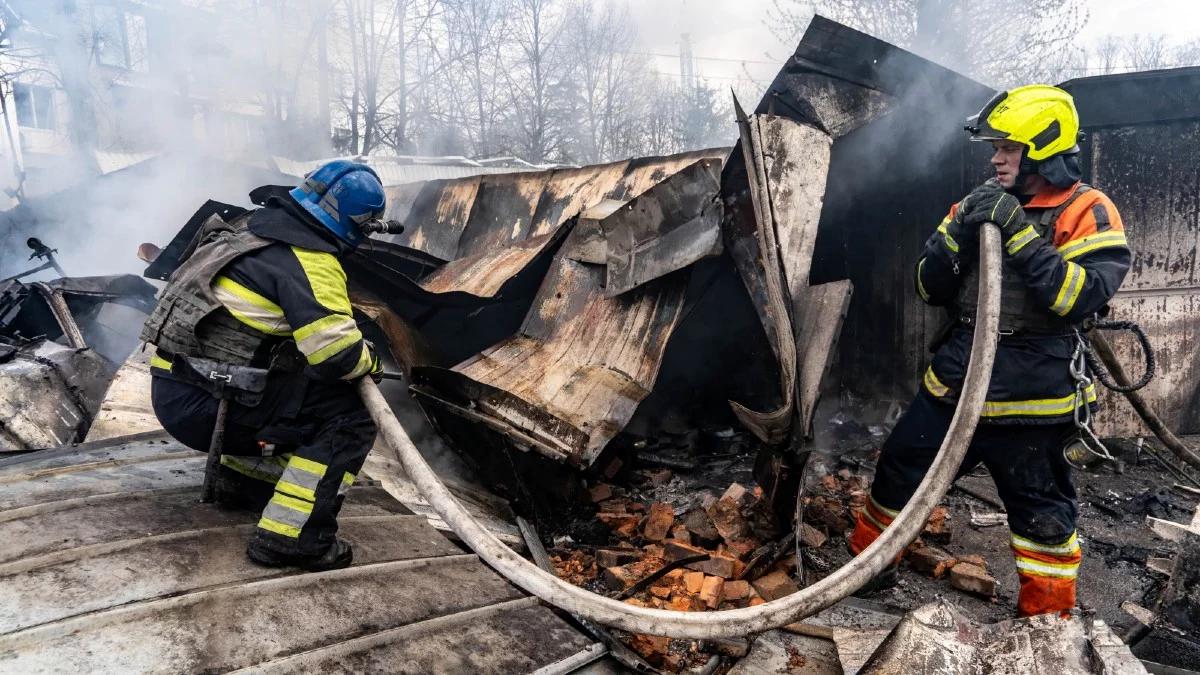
pixel 35 106
pixel 121 38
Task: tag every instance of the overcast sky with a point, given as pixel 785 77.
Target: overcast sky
pixel 734 29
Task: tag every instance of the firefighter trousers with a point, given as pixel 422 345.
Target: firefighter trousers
pixel 1032 478
pixel 322 432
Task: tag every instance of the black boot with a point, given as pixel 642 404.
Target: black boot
pixel 339 554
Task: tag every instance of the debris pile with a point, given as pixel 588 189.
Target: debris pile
pixel 708 552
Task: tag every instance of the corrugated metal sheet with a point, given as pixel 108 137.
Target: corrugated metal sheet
pixel 111 565
pixel 492 227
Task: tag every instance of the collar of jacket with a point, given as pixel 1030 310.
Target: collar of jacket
pixel 1052 197
pixel 275 223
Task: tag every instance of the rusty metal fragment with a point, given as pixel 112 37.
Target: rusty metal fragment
pixel 490 228
pixel 668 228
pixel 577 369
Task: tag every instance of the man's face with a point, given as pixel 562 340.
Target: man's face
pixel 1007 161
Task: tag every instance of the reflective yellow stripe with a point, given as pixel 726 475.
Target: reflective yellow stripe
pixel 1068 547
pixel 157 361
pixel 279 528
pixel 950 243
pixel 874 521
pixel 366 363
pixel 920 284
pixel 891 513
pixel 307 465
pixel 1045 569
pixel 347 481
pixel 292 503
pixel 1080 247
pixel 251 308
pixel 1068 293
pixel 934 385
pixel 327 337
pixel 326 277
pixel 1049 407
pixel 266 469
pixel 290 488
pixel 1020 240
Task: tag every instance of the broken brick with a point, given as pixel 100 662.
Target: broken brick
pixel 712 591
pixel 931 561
pixel 774 585
pixel 660 591
pixel 623 524
pixel 623 576
pixel 741 548
pixel 653 648
pixel 680 603
pixel 738 494
pixel 937 529
pixel 700 525
pixel 974 559
pixel 972 579
pixel 828 512
pixel 727 517
pixel 811 536
pixel 674 575
pixel 693 581
pixel 600 492
pixel 658 521
pixel 737 590
pixel 680 533
pixel 613 468
pixel 615 557
pixel 652 551
pixel 717 565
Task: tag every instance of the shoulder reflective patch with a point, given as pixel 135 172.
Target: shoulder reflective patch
pixel 326 277
pixel 950 243
pixel 327 337
pixel 1085 245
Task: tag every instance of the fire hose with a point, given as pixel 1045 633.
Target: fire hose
pixel 735 622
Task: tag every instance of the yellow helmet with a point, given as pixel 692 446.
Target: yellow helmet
pixel 1040 116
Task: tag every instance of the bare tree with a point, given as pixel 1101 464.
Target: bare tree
pixel 1146 52
pixel 1108 55
pixel 607 74
pixel 1000 41
pixel 538 78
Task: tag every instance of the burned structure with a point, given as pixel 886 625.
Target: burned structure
pixel 551 322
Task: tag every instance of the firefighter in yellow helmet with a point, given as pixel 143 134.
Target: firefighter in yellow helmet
pixel 1065 255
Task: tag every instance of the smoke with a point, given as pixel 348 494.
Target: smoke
pixel 146 112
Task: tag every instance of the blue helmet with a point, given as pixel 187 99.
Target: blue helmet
pixel 342 196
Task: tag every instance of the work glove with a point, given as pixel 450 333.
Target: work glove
pixel 376 371
pixel 990 203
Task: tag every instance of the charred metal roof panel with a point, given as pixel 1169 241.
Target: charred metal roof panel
pixel 1149 97
pixel 112 565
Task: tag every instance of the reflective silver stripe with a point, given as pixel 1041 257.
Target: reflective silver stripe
pixel 266 469
pixel 1064 571
pixel 281 513
pixel 1068 547
pixel 347 481
pixel 1020 239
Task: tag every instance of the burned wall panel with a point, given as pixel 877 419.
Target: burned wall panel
pixel 1152 173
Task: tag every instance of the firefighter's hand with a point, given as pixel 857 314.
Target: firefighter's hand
pixel 376 371
pixel 990 203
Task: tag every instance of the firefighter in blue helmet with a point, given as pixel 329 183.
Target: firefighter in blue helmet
pixel 258 314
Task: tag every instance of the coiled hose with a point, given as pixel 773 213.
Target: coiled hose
pixel 735 622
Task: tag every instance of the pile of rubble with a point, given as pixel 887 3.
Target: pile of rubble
pixel 829 512
pixel 720 554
